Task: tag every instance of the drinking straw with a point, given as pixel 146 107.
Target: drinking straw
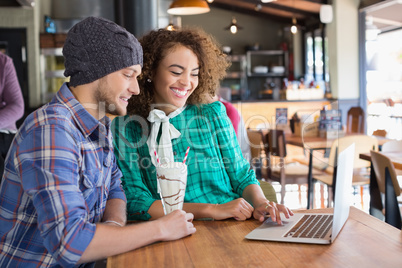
pixel 157 180
pixel 157 157
pixel 185 157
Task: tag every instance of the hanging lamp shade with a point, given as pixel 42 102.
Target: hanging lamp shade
pixel 188 7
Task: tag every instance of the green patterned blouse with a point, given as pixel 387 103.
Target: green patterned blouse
pixel 217 171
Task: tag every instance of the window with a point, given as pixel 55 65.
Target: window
pixel 384 83
pixel 316 58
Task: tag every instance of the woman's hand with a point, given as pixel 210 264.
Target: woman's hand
pixel 273 210
pixel 238 209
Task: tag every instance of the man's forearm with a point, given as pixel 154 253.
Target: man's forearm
pixel 115 211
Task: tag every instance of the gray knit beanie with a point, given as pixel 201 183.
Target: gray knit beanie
pixel 96 47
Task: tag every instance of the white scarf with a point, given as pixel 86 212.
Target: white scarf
pixel 169 132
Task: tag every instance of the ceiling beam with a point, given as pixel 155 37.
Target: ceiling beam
pixel 303 17
pixel 250 12
pixel 300 14
pixel 292 10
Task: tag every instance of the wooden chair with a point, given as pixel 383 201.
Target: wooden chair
pixel 355 120
pixel 255 138
pixel 278 168
pixel 380 133
pixel 388 185
pixel 268 191
pixel 392 146
pixel 361 174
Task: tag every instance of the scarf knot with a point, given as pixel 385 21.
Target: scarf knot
pixel 159 119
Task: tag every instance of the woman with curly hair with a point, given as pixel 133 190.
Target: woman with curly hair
pixel 181 72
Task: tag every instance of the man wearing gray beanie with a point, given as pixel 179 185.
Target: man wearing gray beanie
pixel 61 200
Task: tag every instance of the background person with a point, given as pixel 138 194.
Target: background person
pixel 238 125
pixel 61 201
pixel 11 106
pixel 181 71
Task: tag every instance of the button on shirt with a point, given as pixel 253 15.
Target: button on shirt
pixel 59 174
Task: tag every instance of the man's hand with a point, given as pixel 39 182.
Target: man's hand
pixel 175 225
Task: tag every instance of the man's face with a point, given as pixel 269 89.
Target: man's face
pixel 115 89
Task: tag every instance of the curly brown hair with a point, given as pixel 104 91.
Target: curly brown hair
pixel 156 44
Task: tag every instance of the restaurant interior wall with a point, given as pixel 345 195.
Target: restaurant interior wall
pixel 267 34
pixel 344 50
pixel 343 53
pixel 260 31
pixel 257 32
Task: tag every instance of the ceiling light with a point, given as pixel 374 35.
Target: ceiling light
pixel 210 1
pixel 326 14
pixel 171 27
pixel 293 29
pixel 27 3
pixel 188 7
pixel 233 27
pixel 267 1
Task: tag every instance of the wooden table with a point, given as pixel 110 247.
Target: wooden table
pixel 318 142
pixel 364 242
pixel 395 157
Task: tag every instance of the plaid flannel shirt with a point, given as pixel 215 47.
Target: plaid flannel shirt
pixel 59 174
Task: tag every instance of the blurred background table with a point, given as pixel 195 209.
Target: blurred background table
pixel 312 144
pixel 396 158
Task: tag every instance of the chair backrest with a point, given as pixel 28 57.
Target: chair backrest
pixel 268 190
pixel 380 163
pixel 275 149
pixel 255 137
pixel 392 146
pixel 355 120
pixel 380 132
pixel 276 143
pixel 363 144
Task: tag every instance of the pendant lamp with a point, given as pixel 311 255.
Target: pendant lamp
pixel 188 7
pixel 293 29
pixel 170 27
pixel 233 27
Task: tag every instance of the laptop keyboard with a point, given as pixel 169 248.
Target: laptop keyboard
pixel 311 226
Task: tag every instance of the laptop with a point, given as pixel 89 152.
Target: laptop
pixel 315 228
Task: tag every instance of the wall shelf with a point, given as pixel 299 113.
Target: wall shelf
pixel 236 79
pixel 245 84
pixel 52 72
